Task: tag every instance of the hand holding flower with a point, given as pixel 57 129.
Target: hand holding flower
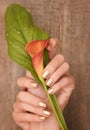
pixel 62 85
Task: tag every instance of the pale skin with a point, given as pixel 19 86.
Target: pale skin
pixel 32 110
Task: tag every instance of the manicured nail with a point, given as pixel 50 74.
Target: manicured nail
pixel 41 104
pixel 45 74
pixel 42 118
pixel 46 112
pixel 49 82
pixel 50 91
pixel 34 85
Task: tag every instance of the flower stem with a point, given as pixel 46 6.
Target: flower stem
pixel 55 107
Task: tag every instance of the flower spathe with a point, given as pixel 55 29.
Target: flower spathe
pixel 36 49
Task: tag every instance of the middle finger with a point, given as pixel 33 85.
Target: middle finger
pixel 64 68
pixel 29 108
pixel 31 99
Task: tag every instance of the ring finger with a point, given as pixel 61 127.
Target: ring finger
pixel 64 81
pixel 58 74
pixel 24 107
pixel 27 117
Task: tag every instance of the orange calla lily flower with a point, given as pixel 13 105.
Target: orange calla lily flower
pixel 35 49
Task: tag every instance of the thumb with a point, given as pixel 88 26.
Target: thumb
pixel 53 47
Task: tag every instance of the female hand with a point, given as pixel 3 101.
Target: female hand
pixel 32 110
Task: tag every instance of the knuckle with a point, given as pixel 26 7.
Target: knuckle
pixel 17 123
pixel 19 95
pixel 18 82
pixel 67 66
pixel 73 86
pixel 24 125
pixel 60 57
pixel 22 82
pixel 73 80
pixel 22 105
pixel 66 80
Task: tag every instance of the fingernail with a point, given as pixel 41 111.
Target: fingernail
pixel 49 82
pixel 46 112
pixel 41 104
pixel 45 74
pixel 34 85
pixel 42 118
pixel 50 91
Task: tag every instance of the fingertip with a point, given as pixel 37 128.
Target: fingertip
pixel 42 118
pixel 50 91
pixel 29 75
pixel 19 83
pixel 53 42
pixel 45 74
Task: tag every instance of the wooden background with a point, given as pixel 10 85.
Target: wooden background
pixel 69 21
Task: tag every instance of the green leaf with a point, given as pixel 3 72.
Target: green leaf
pixel 18 17
pixel 20 30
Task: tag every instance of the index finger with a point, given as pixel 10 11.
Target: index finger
pixel 53 47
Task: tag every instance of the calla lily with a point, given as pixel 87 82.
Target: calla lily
pixel 36 49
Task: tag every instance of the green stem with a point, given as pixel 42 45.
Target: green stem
pixel 55 107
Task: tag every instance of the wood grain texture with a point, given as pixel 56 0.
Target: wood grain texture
pixel 69 21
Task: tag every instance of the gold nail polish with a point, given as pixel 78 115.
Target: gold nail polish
pixel 46 112
pixel 34 85
pixel 41 104
pixel 42 118
pixel 50 91
pixel 45 74
pixel 49 82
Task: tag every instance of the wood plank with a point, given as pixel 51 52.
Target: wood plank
pixel 69 21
